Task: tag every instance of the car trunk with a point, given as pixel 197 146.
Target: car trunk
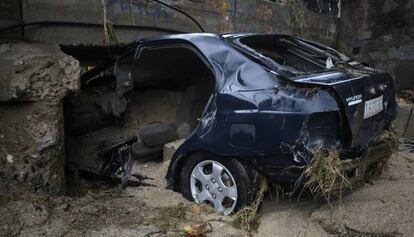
pixel 366 100
pixel 365 96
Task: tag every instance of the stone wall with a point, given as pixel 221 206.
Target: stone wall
pixel 381 34
pixel 377 32
pixel 33 82
pixel 9 16
pixel 285 16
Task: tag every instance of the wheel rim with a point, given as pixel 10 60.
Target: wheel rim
pixel 212 182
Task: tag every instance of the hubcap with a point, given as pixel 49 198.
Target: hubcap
pixel 212 183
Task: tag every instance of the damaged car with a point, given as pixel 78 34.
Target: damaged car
pixel 245 105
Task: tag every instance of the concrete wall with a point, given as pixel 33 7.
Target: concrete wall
pixel 33 82
pixel 10 15
pixel 377 32
pixel 381 34
pixel 214 15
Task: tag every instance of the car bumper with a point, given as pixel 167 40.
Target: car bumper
pixel 358 170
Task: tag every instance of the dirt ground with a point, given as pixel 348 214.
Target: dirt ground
pixel 94 208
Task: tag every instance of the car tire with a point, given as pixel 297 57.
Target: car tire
pixel 158 134
pixel 237 171
pixel 255 181
pixel 139 151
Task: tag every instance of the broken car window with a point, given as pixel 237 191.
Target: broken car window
pixel 291 54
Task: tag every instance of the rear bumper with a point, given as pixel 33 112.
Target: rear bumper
pixel 377 154
pixel 355 169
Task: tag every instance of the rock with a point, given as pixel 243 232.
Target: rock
pixel 9 158
pixel 170 148
pixel 34 214
pixel 63 207
pixel 4 48
pixel 33 72
pixel 33 132
pixel 183 130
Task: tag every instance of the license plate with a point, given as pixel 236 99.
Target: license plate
pixel 373 107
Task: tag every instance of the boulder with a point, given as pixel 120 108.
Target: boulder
pixel 34 80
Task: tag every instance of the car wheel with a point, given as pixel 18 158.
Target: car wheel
pixel 219 181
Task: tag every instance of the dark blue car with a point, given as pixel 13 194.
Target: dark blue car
pixel 263 102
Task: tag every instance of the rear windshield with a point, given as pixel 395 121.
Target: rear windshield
pixel 292 54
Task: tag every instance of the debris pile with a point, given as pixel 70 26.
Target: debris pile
pixel 391 138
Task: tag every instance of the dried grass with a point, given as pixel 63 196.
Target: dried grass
pixel 392 138
pixel 198 231
pixel 132 12
pixel 394 141
pixel 276 191
pixel 108 29
pixel 324 172
pixel 247 218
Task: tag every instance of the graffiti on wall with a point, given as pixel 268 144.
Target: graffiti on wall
pixel 137 11
pixel 227 13
pixel 218 16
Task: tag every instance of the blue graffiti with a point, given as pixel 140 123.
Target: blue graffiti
pixel 242 9
pixel 139 10
pixel 144 11
pixel 250 8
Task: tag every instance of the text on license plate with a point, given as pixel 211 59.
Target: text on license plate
pixel 373 107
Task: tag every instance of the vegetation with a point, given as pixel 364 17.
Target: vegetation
pixel 108 28
pixel 325 173
pixel 247 218
pixel 298 12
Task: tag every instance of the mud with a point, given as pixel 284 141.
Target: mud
pixel 97 208
pixel 383 208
